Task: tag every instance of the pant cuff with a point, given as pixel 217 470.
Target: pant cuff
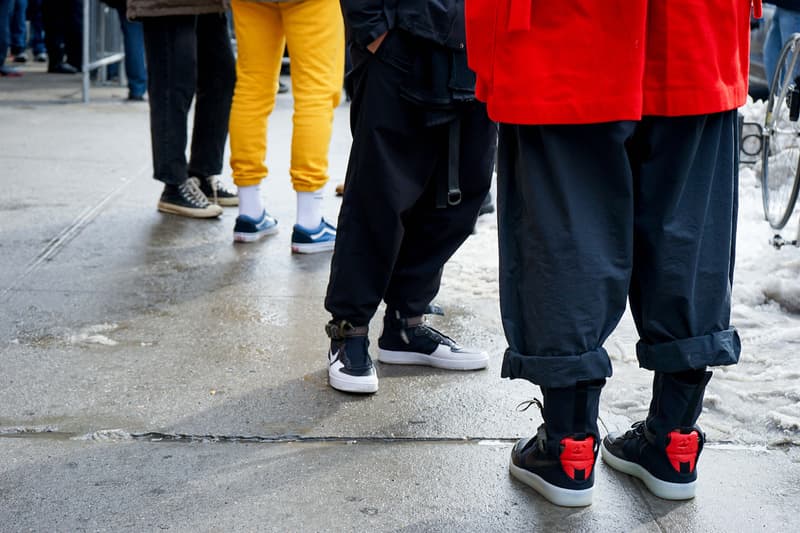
pixel 558 370
pixel 716 349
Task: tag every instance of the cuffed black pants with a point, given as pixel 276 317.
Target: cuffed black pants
pixel 188 56
pixel 392 241
pixel 590 215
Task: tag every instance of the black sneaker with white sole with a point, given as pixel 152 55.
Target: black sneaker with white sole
pixel 409 341
pixel 187 200
pixel 217 192
pixel 668 470
pixel 566 479
pixel 350 367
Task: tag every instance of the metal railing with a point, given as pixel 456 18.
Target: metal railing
pixel 101 29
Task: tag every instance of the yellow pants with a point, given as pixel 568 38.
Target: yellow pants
pixel 314 33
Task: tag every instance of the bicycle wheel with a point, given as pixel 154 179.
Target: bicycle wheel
pixel 780 180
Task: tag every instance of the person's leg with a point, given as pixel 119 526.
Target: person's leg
pixel 784 23
pixel 772 46
pixel 259 42
pixel 135 67
pixel 432 235
pixel 73 33
pixel 5 17
pixel 315 36
pixel 685 176
pixel 680 293
pixel 19 29
pixel 566 248
pixel 170 48
pixel 391 159
pixel 54 14
pixel 216 78
pixel 36 40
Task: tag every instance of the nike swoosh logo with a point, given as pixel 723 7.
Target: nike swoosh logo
pixel 333 357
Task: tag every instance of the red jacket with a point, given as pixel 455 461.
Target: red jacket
pixel 586 61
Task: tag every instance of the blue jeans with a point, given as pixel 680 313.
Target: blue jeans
pixel 17 26
pixel 5 18
pixel 36 37
pixel 785 22
pixel 134 55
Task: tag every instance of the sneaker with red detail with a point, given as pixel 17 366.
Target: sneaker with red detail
pixel 668 469
pixel 565 479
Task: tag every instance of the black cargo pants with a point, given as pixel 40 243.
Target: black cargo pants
pixel 592 215
pixel 392 241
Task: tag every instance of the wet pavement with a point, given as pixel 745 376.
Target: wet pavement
pixel 153 375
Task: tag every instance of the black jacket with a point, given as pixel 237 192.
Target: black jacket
pixel 441 21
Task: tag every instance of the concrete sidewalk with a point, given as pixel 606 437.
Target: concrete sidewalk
pixel 153 375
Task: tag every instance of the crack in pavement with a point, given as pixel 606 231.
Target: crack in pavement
pixel 119 435
pixel 74 229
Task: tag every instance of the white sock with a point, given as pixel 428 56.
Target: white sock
pixel 309 209
pixel 250 201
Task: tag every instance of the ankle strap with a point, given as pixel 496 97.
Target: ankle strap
pixel 338 330
pixel 404 323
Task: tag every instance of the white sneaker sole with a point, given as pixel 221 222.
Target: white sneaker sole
pixel 313 248
pixel 253 237
pixel 662 489
pixel 212 211
pixel 438 359
pixel 557 495
pixel 225 202
pixel 346 383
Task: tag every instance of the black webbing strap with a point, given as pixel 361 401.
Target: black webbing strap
pixel 452 194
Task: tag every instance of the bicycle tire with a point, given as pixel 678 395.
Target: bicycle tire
pixel 780 157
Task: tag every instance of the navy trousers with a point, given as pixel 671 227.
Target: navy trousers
pixel 592 215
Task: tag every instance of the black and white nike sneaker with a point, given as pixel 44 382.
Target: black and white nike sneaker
pixel 409 341
pixel 350 367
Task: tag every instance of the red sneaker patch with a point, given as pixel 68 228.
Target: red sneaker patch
pixel 577 457
pixel 682 450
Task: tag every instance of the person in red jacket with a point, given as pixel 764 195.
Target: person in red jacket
pixel 617 180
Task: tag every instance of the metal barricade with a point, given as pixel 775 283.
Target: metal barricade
pixel 102 41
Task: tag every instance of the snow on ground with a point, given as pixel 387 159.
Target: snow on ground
pixel 752 403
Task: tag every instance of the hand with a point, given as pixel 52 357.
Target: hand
pixel 374 45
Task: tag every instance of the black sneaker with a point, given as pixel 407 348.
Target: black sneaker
pixel 187 200
pixel 409 341
pixel 217 192
pixel 350 367
pixel 669 470
pixel 566 480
